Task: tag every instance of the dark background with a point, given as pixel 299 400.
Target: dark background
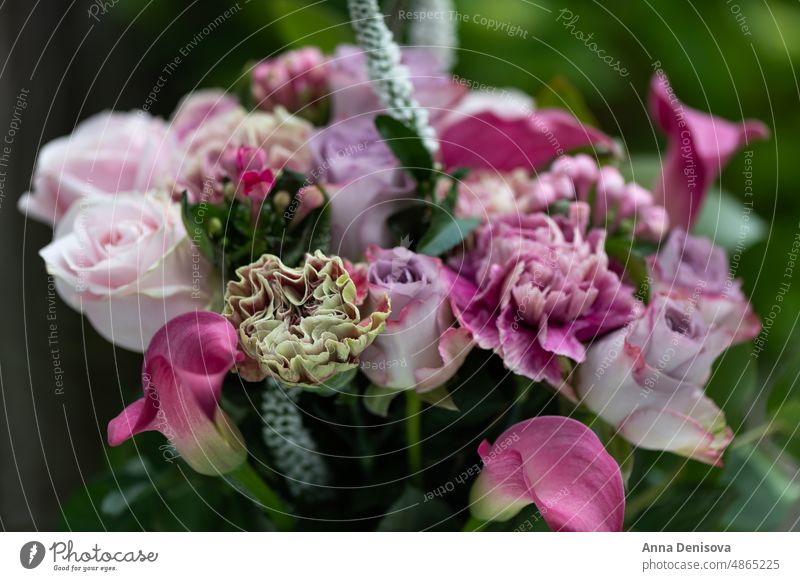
pixel 74 66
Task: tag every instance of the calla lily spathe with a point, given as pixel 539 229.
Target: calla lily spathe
pixel 184 368
pixel 699 147
pixel 559 465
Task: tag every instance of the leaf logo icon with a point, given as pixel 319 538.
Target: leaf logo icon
pixel 31 554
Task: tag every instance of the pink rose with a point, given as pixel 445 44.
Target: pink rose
pixel 647 380
pixel 420 348
pixel 106 154
pixel 128 265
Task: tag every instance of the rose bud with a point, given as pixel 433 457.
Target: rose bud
pixel 297 81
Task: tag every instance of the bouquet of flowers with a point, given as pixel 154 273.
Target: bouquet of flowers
pixel 362 229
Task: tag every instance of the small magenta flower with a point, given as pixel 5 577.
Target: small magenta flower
pixel 184 368
pixel 296 80
pixel 559 465
pixel 250 173
pixel 700 146
pixel 301 326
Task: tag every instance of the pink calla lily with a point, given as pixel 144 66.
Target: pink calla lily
pixel 487 140
pixel 559 465
pixel 184 368
pixel 700 145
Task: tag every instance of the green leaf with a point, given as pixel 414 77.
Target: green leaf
pixel 377 399
pixel 561 94
pixel 195 229
pixel 408 148
pixel 729 222
pixel 766 489
pixel 634 263
pixel 415 512
pixel 733 384
pixel 445 233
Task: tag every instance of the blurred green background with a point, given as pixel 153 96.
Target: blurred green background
pixel 735 59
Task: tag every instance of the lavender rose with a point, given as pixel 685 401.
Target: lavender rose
pixel 535 289
pixel 365 184
pixel 421 348
pixel 693 269
pixel 299 325
pixel 647 380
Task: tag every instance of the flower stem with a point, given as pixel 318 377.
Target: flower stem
pixel 248 480
pixel 414 435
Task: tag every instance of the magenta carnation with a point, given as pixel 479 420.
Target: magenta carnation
pixel 536 288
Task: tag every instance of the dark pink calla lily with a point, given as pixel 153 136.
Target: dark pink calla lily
pixel 490 140
pixel 559 465
pixel 700 145
pixel 184 368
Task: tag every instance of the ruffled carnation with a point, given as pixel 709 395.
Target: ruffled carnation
pixel 535 288
pixel 301 326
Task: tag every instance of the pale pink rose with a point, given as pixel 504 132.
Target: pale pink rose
pixel 106 154
pixel 128 265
